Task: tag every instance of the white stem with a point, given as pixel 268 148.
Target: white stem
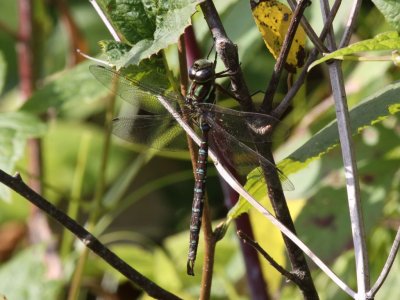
pixel 103 17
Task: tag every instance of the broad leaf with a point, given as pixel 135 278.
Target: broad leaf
pixel 24 277
pixel 385 41
pixel 273 19
pixel 372 110
pixel 73 90
pixel 148 26
pixel 391 10
pixel 15 129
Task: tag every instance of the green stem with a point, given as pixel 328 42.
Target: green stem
pixel 96 203
pixel 76 191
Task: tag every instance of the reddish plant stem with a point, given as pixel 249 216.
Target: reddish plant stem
pixel 75 36
pixel 39 230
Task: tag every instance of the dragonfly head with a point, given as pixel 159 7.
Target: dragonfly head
pixel 202 71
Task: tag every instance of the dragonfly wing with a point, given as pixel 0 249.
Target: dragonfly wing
pixel 245 126
pixel 136 92
pixel 242 158
pixel 155 131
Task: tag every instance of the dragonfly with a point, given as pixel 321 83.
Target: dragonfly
pixel 227 132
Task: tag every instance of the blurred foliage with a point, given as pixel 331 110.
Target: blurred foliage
pixel 144 212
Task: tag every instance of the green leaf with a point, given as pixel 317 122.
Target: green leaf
pixel 385 41
pixel 74 90
pixel 61 144
pixel 391 10
pixel 136 256
pixel 24 277
pixel 149 26
pixel 15 129
pixel 371 111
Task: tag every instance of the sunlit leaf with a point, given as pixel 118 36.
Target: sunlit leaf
pixel 391 10
pixel 385 41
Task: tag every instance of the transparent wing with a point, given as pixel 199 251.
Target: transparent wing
pixel 245 126
pixel 155 131
pixel 142 93
pixel 240 157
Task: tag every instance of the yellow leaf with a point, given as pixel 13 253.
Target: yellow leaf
pixel 270 239
pixel 273 19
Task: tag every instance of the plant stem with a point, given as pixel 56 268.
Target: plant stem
pixel 287 100
pixel 266 105
pixel 76 192
pixel 28 48
pixel 96 203
pixel 388 265
pixel 246 239
pixel 228 53
pixel 350 165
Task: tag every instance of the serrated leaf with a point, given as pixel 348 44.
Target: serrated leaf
pixel 385 41
pixel 391 10
pixel 149 26
pixel 15 129
pixel 372 110
pixel 134 20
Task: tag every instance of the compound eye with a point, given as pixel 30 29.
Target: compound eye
pixel 204 75
pixel 192 72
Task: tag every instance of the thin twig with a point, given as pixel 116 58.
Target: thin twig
pixel 209 252
pixel 287 100
pixel 228 53
pixel 351 23
pixel 285 273
pixel 350 166
pixel 266 105
pixel 388 265
pixel 318 43
pixel 18 185
pixel 106 22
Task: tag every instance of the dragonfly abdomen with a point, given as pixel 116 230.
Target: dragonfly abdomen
pixel 198 198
